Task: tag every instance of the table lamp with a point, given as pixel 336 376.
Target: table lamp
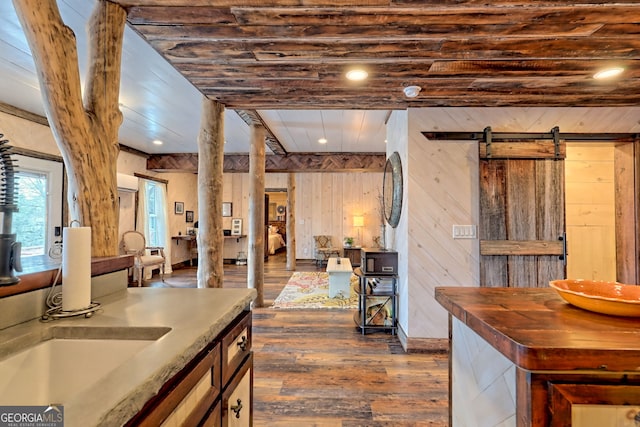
pixel 358 221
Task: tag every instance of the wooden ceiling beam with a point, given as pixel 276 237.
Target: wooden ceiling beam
pixel 377 50
pixel 458 100
pixel 273 71
pixel 252 116
pixel 219 16
pixel 298 162
pixel 362 33
pixel 293 54
pixel 356 3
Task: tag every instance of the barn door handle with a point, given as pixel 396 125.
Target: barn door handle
pixel 563 257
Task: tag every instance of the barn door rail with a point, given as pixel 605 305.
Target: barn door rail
pixel 553 135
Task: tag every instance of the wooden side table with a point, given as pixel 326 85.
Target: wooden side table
pixel 193 245
pixel 354 254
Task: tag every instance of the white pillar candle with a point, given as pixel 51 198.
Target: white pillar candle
pixel 76 268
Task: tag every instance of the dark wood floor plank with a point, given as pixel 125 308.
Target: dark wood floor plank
pixel 315 368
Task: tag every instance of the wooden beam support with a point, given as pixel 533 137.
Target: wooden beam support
pixel 257 229
pixel 85 130
pixel 210 238
pixel 291 222
pixel 251 117
pixel 298 162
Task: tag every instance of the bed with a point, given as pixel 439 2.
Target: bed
pixel 276 241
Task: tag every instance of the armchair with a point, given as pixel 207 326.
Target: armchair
pixel 134 243
pixel 324 249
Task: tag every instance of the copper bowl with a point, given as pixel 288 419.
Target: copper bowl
pixel 612 298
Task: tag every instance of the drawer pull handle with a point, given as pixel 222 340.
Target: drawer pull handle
pixel 237 408
pixel 243 343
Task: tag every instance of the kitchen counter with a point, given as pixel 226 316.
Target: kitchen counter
pixel 539 346
pixel 194 316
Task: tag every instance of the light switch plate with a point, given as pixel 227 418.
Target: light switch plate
pixel 464 232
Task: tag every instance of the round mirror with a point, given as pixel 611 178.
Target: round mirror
pixel 392 189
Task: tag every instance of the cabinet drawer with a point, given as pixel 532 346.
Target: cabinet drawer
pixel 237 399
pixel 213 418
pixel 236 346
pixel 186 397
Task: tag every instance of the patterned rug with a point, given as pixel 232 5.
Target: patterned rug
pixel 311 290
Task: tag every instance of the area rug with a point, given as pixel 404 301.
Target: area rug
pixel 310 289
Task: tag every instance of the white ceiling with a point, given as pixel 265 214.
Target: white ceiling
pixel 158 103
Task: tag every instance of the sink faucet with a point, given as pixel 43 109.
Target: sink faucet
pixel 9 248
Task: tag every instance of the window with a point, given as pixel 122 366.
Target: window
pixel 155 213
pixel 32 198
pixel 38 221
pixel 152 217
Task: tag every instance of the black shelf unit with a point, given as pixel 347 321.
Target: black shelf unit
pixel 377 302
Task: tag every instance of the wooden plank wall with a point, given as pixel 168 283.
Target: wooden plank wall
pixel 325 204
pixel 590 210
pixel 442 181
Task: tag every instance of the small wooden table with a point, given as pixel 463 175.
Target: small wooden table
pixel 193 245
pixel 340 272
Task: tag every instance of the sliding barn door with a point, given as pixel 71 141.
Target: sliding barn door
pixel 522 214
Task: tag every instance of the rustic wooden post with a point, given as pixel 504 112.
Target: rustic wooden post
pixel 210 164
pixel 255 260
pixel 86 133
pixel 291 221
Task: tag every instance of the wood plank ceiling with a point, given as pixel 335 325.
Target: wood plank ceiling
pixel 293 54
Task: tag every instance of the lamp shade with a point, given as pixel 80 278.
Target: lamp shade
pixel 358 221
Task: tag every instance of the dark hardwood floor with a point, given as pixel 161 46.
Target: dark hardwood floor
pixel 314 368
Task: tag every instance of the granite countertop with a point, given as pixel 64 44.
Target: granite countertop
pixel 194 316
pixel 537 330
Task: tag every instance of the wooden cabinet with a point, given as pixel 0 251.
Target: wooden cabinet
pixel 377 302
pixel 563 362
pixel 209 386
pixel 237 399
pixel 354 255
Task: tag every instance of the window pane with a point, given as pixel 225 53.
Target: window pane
pixel 152 207
pixel 30 222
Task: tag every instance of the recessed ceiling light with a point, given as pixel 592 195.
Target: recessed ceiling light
pixel 357 74
pixel 322 141
pixel 608 72
pixel 157 142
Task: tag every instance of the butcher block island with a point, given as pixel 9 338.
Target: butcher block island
pixel 525 357
pixel 148 356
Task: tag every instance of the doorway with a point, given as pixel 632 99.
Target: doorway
pixel 601 211
pixel 276 219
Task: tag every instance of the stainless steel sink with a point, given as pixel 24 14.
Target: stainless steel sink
pixel 67 360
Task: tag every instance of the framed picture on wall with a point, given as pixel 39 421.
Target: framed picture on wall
pixel 236 227
pixel 189 216
pixel 226 209
pixel 178 208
